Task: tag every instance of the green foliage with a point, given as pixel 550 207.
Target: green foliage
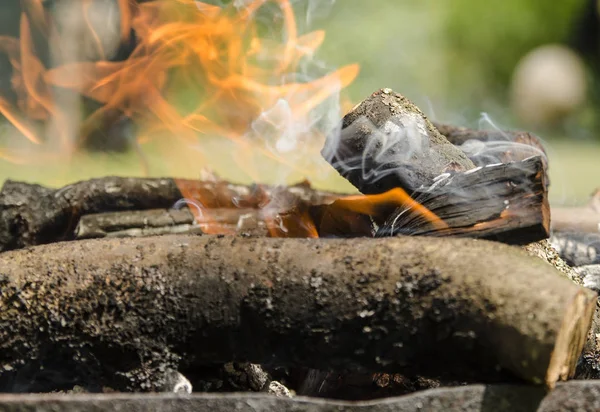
pixel 485 40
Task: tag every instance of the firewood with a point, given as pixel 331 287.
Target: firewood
pixel 117 312
pixel 150 222
pixel 506 202
pixel 386 142
pixel 31 214
pixel 577 248
pixel 497 146
pixel 568 396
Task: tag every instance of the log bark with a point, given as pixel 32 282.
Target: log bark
pixel 387 142
pixel 31 214
pixel 117 312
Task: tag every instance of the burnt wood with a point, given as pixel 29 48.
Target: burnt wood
pixel 31 214
pixel 506 202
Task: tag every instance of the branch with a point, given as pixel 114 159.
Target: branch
pixel 117 312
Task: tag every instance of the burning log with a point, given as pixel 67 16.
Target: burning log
pixel 386 142
pixel 505 202
pixel 135 307
pixel 32 214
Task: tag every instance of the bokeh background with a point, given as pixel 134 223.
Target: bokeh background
pixel 514 64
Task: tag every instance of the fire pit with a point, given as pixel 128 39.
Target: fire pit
pixel 434 273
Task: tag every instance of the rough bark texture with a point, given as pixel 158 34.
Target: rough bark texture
pixel 117 312
pixel 32 214
pixel 574 396
pixel 387 142
pixel 493 146
pixel 505 202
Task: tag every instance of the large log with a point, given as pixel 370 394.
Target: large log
pixel 386 142
pixel 32 214
pixel 568 396
pixel 119 312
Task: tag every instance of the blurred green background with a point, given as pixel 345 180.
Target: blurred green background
pixel 456 59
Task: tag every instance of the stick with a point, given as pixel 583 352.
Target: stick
pixel 118 311
pixel 138 223
pixel 32 214
pixel 386 142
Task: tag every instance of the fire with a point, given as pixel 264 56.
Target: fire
pixel 231 76
pixel 180 45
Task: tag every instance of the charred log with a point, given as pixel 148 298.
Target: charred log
pixel 31 214
pixel 505 202
pixel 117 312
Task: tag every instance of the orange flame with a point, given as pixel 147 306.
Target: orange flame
pixel 216 52
pixel 217 57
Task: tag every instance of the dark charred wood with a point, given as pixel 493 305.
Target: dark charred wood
pixel 588 366
pixel 505 202
pixel 577 248
pixel 336 220
pixel 31 214
pixel 357 387
pixel 387 142
pixel 117 312
pixel 494 146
